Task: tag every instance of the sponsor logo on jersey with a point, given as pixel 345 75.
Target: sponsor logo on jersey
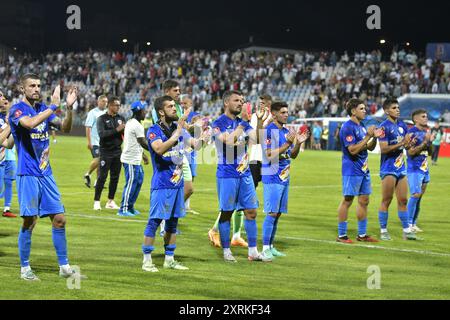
pixel 243 165
pixel 365 166
pixel 284 175
pixel 176 175
pixel 424 165
pixel 399 161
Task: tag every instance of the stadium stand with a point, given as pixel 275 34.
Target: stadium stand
pixel 314 84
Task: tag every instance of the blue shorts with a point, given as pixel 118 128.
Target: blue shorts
pixel 416 180
pixel 236 194
pixel 275 198
pixel 397 175
pixel 167 203
pixel 356 185
pixel 10 169
pixel 38 196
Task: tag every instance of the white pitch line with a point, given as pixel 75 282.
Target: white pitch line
pixel 423 252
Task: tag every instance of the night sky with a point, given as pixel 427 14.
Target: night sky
pixel 219 24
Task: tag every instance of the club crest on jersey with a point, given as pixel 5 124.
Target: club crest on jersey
pixel 349 138
pixel 18 113
pixel 216 130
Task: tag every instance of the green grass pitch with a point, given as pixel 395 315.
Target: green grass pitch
pixel 108 248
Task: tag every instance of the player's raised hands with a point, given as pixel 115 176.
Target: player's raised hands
pixel 245 114
pixel 291 136
pixel 371 131
pixel 205 136
pixel 261 112
pixel 56 96
pixel 186 113
pixel 302 137
pixel 407 141
pixel 378 132
pixel 71 97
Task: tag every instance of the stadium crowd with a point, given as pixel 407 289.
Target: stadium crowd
pixel 314 84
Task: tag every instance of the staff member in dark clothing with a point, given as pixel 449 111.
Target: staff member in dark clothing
pixel 110 128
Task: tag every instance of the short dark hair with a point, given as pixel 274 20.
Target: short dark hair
pixel 111 99
pixel 27 76
pixel 352 104
pixel 227 94
pixel 387 103
pixel 417 112
pixel 159 103
pixel 266 97
pixel 169 84
pixel 277 106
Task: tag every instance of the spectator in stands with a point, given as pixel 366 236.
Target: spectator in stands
pixel 446 116
pixel 438 134
pixel 317 134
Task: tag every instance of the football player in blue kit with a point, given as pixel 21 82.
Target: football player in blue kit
pixel 355 141
pixel 167 141
pixel 393 140
pixel 7 160
pixel 235 187
pixel 36 188
pixel 418 171
pixel 280 145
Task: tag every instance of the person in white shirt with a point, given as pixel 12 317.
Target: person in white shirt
pixel 132 154
pixel 93 138
pixel 256 150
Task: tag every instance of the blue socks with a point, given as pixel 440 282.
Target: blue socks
pixel 224 230
pixel 147 249
pixel 252 232
pixel 8 192
pixel 24 247
pixel 412 208
pixel 342 228
pixel 416 215
pixel 169 249
pixel 274 230
pixel 362 227
pixel 267 229
pixel 383 218
pixel 59 241
pixel 403 216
